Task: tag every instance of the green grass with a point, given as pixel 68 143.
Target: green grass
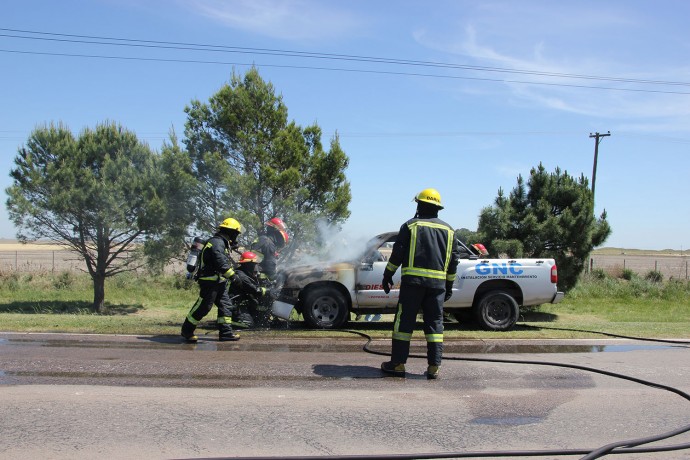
pixel 157 305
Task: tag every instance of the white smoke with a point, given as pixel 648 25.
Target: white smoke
pixel 336 246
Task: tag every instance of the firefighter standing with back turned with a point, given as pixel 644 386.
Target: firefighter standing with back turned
pixel 266 246
pixel 427 250
pixel 214 272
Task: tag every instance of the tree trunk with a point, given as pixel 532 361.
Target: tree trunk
pixel 99 293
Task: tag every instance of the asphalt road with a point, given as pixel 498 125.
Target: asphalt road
pixel 122 397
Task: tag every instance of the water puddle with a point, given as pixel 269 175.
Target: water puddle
pixel 548 348
pixel 314 345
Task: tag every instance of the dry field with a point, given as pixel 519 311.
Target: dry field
pixel 12 245
pixel 40 257
pixel 44 257
pixel 669 266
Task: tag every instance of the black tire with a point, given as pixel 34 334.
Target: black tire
pixel 497 311
pixel 325 308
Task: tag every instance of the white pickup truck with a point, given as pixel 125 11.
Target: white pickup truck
pixel 492 290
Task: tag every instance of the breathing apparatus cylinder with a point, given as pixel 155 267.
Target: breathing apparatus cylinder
pixel 194 252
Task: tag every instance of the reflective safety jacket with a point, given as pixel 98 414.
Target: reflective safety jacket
pixel 267 250
pixel 428 252
pixel 215 260
pixel 246 286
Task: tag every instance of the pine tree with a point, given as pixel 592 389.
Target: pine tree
pixel 552 216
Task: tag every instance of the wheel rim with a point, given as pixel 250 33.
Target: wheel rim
pixel 325 310
pixel 498 311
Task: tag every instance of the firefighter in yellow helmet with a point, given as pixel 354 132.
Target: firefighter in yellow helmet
pixel 215 269
pixel 427 252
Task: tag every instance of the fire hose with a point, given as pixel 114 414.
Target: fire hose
pixel 629 446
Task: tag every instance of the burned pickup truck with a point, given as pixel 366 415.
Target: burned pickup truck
pixel 490 290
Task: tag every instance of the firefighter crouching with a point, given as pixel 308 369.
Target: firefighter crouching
pixel 215 269
pixel 246 292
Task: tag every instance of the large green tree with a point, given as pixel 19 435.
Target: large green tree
pixel 550 216
pixel 104 194
pixel 254 164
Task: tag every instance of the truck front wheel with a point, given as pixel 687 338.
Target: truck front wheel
pixel 497 311
pixel 325 308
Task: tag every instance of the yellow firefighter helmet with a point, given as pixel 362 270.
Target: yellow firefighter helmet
pixel 431 196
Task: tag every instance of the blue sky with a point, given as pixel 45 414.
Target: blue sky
pixel 457 95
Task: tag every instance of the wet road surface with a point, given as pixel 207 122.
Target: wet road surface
pixel 94 396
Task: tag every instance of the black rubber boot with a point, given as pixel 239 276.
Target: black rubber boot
pixel 432 372
pixel 226 334
pixel 394 369
pixel 187 332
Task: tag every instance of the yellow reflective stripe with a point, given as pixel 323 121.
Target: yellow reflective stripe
pixel 404 336
pixel 413 245
pixel 425 272
pixel 450 277
pixel 191 319
pixel 432 225
pixel 194 308
pixel 391 267
pixel 449 248
pixel 396 323
pixel 210 278
pixel 224 320
pixel 421 223
pixel 207 245
pixel 229 274
pixel 397 335
pixel 434 338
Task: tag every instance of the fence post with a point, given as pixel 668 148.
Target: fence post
pixel 16 260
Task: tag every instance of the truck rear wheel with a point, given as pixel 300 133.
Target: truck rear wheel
pixel 497 311
pixel 325 308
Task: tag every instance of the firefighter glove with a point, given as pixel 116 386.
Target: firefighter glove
pixel 449 290
pixel 387 283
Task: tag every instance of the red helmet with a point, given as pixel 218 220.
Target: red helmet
pixel 480 249
pixel 249 257
pixel 278 226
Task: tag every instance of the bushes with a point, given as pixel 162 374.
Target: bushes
pixel 64 280
pixel 598 274
pixel 627 284
pixel 628 274
pixel 9 281
pixel 654 276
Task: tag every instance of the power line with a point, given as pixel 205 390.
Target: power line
pixel 186 46
pixel 337 69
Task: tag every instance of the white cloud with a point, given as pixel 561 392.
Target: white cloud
pixel 296 20
pixel 542 41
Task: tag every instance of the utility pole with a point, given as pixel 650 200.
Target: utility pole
pixel 598 138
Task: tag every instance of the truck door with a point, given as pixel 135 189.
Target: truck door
pixel 368 285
